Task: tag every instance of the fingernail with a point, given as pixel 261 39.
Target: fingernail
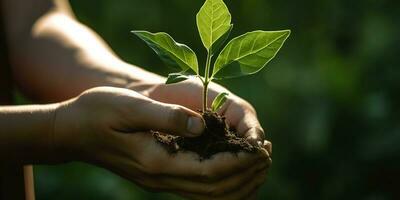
pixel 195 126
pixel 268 145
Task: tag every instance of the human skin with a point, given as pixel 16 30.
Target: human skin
pixel 46 39
pixel 107 127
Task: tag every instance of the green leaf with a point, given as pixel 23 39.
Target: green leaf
pixel 248 53
pixel 218 44
pixel 219 101
pixel 176 78
pixel 213 21
pixel 174 54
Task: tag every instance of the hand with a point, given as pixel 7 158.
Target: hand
pixel 108 127
pixel 238 112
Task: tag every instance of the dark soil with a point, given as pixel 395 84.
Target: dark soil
pixel 216 138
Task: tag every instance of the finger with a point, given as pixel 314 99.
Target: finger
pixel 268 146
pixel 247 125
pixel 150 179
pixel 154 158
pixel 150 174
pixel 266 156
pixel 168 93
pixel 219 166
pixel 250 188
pixel 223 188
pixel 242 193
pixel 223 165
pixel 250 128
pixel 253 134
pixel 188 164
pixel 218 188
pixel 168 118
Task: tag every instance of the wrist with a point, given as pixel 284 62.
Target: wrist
pixel 42 141
pixel 66 134
pixel 27 135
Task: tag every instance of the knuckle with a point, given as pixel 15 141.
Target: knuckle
pixel 259 129
pixel 260 132
pixel 175 115
pixel 84 98
pixel 90 96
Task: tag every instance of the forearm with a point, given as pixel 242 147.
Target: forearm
pixel 26 133
pixel 61 57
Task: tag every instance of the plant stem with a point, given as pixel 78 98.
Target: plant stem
pixel 206 81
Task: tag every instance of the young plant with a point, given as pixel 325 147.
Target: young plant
pixel 243 55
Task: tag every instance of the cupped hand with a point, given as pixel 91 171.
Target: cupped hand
pixel 239 113
pixel 109 127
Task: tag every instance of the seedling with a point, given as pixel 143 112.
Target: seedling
pixel 243 55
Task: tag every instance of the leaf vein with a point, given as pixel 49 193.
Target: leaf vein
pixel 253 52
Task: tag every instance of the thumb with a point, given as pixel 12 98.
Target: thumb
pixel 170 118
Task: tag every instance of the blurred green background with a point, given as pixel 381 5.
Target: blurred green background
pixel 329 101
